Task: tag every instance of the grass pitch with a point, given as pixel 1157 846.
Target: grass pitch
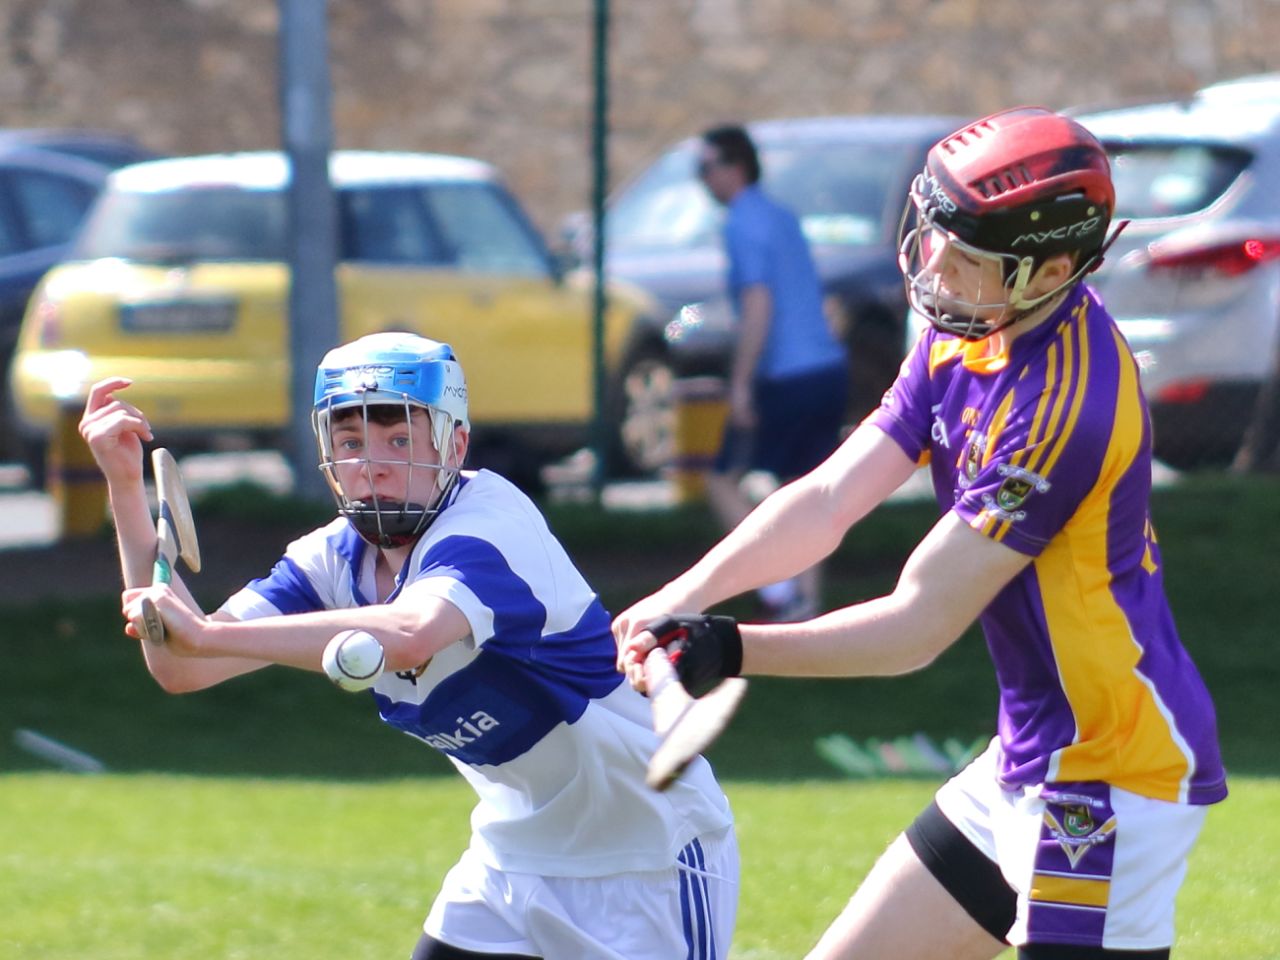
pixel 149 867
pixel 275 817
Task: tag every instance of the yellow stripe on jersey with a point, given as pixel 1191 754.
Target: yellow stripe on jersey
pixel 975 355
pixel 984 522
pixel 1077 402
pixel 999 420
pixel 1037 448
pixel 1093 645
pixel 943 351
pixel 1073 890
pixel 1075 376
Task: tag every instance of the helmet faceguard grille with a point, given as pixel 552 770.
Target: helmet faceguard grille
pixel 394 519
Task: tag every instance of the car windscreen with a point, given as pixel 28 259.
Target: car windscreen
pixel 178 226
pixel 472 227
pixel 1171 179
pixel 842 192
pixel 484 231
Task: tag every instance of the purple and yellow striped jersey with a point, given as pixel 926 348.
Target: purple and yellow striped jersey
pixel 1046 449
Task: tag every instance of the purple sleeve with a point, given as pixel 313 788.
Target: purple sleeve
pixel 904 412
pixel 1038 472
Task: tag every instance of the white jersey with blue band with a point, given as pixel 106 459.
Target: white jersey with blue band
pixel 529 708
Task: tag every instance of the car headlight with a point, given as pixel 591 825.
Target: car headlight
pixel 65 371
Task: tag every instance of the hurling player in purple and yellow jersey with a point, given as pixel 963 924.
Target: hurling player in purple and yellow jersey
pixel 1069 836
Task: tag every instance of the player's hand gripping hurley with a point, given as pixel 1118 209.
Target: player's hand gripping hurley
pixel 175 536
pixel 692 652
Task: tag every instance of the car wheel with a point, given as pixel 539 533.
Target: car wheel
pixel 644 435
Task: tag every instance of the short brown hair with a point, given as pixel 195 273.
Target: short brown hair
pixel 734 147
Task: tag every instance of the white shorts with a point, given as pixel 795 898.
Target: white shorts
pixel 686 911
pixel 1091 864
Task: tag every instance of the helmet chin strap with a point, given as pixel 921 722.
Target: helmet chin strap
pixel 391 523
pixel 383 527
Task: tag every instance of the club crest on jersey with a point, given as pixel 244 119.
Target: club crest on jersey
pixel 1018 484
pixel 1076 831
pixel 469 730
pixel 971 458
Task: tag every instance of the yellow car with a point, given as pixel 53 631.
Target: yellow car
pixel 178 280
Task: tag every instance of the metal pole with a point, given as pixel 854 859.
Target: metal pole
pixel 599 185
pixel 307 132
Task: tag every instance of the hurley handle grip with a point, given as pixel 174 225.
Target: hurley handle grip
pixel 667 696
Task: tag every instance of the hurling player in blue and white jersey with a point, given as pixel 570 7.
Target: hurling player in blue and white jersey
pixel 498 655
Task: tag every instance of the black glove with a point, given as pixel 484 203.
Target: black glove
pixel 704 650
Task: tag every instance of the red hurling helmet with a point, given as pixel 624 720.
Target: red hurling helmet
pixel 1017 187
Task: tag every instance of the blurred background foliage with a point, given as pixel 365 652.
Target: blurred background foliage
pixel 72 675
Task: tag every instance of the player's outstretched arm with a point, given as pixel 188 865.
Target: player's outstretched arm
pixel 115 431
pixel 173 672
pixel 949 579
pixel 794 528
pixel 411 631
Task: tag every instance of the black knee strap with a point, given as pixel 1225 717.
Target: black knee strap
pixel 974 881
pixel 1066 951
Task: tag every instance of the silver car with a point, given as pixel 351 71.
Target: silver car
pixel 1194 280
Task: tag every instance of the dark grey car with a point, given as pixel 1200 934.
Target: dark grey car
pixel 43 198
pixel 845 177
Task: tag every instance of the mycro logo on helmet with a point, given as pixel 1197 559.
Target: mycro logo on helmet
pixel 367 377
pixel 939 196
pixel 1080 228
pixel 458 392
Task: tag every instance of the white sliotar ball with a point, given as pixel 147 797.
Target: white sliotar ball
pixel 354 659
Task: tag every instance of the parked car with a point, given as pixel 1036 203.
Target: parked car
pixel 103 147
pixel 1194 280
pixel 845 177
pixel 178 280
pixel 43 198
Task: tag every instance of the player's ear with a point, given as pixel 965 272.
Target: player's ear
pixel 461 442
pixel 1053 273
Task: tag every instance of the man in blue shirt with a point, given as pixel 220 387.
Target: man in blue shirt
pixel 788 383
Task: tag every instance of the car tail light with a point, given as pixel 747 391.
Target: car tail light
pixel 1229 259
pixel 48 321
pixel 1188 391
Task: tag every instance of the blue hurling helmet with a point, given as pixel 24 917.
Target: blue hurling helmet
pixel 382 378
